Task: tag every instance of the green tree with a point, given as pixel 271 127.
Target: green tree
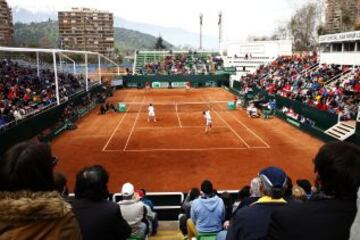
pixel 159 45
pixel 303 27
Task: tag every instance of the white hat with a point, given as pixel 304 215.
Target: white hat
pixel 127 190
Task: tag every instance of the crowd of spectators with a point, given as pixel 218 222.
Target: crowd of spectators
pixel 23 93
pixel 300 78
pixel 183 64
pixel 34 202
pixel 272 207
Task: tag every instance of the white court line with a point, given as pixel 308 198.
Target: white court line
pixel 116 128
pixel 227 124
pixel 260 147
pixel 160 128
pixel 177 114
pixel 179 149
pixel 133 127
pixel 251 131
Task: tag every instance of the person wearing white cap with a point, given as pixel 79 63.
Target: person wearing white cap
pixel 134 211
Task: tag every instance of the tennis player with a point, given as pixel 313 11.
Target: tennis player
pixel 151 116
pixel 208 120
pixel 187 86
pixel 147 86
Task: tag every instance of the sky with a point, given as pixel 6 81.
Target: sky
pixel 241 18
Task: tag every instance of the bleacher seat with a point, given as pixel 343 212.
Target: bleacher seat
pixel 134 237
pixel 206 236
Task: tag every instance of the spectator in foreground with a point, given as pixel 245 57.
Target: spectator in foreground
pixel 60 183
pixel 242 194
pixel 98 217
pixel 306 185
pixel 193 194
pixel 255 193
pixel 355 228
pixel 207 212
pixel 141 194
pixel 29 206
pixel 328 215
pixel 135 212
pixel 299 194
pixel 252 222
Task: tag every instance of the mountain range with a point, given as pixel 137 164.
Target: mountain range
pixel 45 34
pixel 176 36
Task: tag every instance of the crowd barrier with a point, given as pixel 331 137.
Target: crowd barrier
pixel 167 205
pixel 323 120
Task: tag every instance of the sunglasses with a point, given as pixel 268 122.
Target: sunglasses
pixel 54 161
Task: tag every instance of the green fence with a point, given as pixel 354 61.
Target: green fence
pixel 323 120
pixel 32 126
pixel 174 81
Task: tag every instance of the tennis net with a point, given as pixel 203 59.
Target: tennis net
pixel 189 107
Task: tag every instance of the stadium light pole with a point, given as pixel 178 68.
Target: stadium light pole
pixel 99 73
pixel 201 29
pixel 220 30
pixel 56 78
pixel 38 64
pixel 86 73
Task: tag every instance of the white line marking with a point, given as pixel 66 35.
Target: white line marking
pixel 174 149
pixel 116 128
pixel 177 114
pixel 164 128
pixel 227 124
pixel 133 127
pixel 248 129
pixel 260 147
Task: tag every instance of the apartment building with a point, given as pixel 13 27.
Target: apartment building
pixel 6 25
pixel 87 29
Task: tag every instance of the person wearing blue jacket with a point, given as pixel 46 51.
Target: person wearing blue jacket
pixel 208 211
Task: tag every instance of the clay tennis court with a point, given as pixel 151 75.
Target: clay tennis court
pixel 174 154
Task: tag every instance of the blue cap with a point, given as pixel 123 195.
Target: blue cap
pixel 273 177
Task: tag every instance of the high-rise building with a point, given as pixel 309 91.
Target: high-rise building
pixel 6 25
pixel 87 29
pixel 342 15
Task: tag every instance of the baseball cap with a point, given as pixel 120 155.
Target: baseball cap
pixel 127 190
pixel 273 177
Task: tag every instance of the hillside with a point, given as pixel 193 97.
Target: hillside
pixel 45 35
pixel 177 36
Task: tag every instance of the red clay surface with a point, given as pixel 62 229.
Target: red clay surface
pixel 175 154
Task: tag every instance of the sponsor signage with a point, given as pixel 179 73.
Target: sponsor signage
pixel 160 85
pixel 117 82
pixel 340 37
pixel 178 84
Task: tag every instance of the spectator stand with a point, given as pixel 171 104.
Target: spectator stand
pixel 57 74
pixel 54 88
pixel 176 62
pixel 168 204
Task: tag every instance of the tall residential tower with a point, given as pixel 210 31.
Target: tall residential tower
pixel 87 29
pixel 342 15
pixel 6 25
